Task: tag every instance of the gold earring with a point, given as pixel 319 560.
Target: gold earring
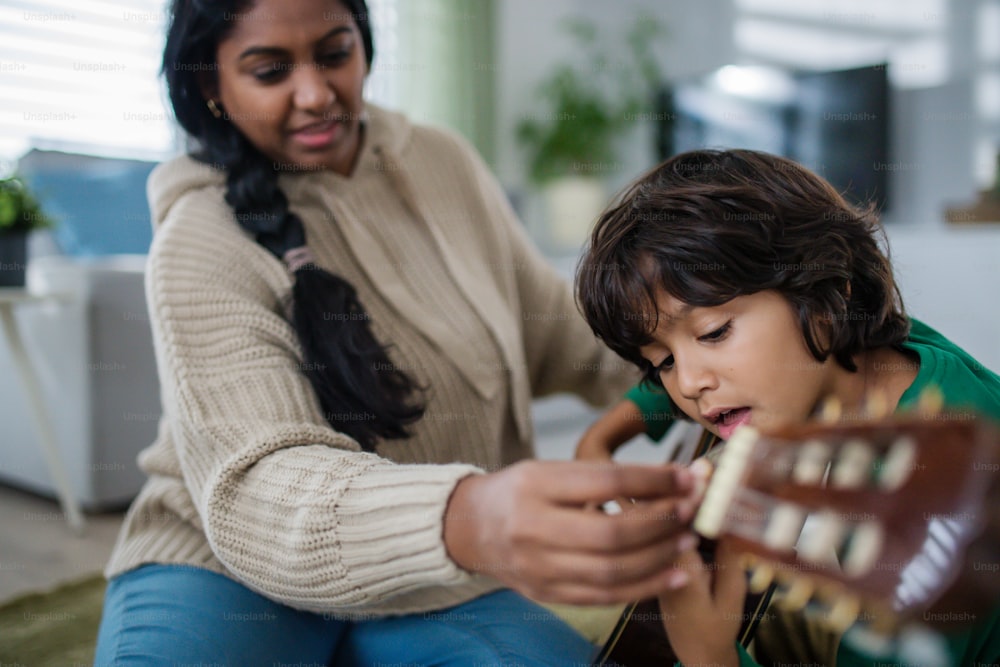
pixel 214 108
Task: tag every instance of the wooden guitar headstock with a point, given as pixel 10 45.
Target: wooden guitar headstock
pixel 879 512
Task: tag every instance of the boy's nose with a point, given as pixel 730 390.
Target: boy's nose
pixel 694 378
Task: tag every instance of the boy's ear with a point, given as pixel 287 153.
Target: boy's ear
pixel 821 325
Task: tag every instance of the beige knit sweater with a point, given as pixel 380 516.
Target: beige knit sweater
pixel 246 478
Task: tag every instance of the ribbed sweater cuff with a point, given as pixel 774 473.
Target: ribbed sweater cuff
pixel 343 539
pixel 397 512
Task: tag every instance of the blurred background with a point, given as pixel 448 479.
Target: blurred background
pixel 895 101
pixel 80 77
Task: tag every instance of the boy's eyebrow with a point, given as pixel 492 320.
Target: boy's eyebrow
pixel 681 313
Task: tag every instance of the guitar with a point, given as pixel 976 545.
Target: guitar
pixel 870 519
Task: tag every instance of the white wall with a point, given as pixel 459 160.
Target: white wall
pixel 950 278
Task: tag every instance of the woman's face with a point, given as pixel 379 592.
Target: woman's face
pixel 742 362
pixel 290 78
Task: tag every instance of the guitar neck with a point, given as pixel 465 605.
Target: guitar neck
pixel 880 511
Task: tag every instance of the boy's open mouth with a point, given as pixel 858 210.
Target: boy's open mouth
pixel 725 415
pixel 727 421
pixel 729 416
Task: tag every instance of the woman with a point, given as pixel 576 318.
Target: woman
pixel 349 327
pixel 751 293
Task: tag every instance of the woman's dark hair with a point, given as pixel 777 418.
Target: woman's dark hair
pixel 362 394
pixel 708 226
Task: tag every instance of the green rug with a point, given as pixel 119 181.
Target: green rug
pixel 54 629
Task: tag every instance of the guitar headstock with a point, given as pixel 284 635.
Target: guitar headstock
pixel 877 512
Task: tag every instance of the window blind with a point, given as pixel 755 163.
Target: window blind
pixel 83 77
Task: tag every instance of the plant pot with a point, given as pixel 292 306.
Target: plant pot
pixel 573 204
pixel 13 258
pixel 986 209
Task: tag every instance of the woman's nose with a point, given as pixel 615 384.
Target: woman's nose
pixel 313 90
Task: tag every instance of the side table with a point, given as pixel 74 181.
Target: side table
pixel 10 298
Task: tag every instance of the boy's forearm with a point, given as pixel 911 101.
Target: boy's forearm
pixel 625 421
pixel 615 427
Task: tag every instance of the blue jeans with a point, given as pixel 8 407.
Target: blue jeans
pixel 178 615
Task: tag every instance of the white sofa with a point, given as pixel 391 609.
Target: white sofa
pixel 93 354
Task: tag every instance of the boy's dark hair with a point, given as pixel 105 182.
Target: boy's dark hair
pixel 360 391
pixel 708 226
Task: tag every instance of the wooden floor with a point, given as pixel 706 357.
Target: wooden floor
pixel 38 549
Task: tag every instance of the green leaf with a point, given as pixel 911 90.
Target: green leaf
pixel 19 210
pixel 590 102
pixel 8 211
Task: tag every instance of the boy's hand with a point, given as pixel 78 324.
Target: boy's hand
pixel 703 619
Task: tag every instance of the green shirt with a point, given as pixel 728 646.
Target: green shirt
pixel 655 406
pixel 965 384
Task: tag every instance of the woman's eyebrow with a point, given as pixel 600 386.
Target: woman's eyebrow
pixel 274 50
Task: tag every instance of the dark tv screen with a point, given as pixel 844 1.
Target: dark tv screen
pixel 833 122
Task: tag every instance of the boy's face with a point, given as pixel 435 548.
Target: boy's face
pixel 742 362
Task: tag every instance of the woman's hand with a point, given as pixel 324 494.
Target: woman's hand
pixel 533 527
pixel 703 619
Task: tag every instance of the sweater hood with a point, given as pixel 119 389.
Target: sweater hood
pixel 387 134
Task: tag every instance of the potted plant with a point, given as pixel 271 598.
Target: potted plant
pixel 986 209
pixel 590 104
pixel 20 214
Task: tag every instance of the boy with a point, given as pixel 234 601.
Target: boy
pixel 750 292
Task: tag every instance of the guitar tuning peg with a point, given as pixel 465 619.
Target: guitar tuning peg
pixel 853 465
pixel 831 410
pixel 844 612
pixel 812 461
pixel 798 594
pixel 930 402
pixel 761 578
pixel 877 405
pixel 827 535
pixel 899 463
